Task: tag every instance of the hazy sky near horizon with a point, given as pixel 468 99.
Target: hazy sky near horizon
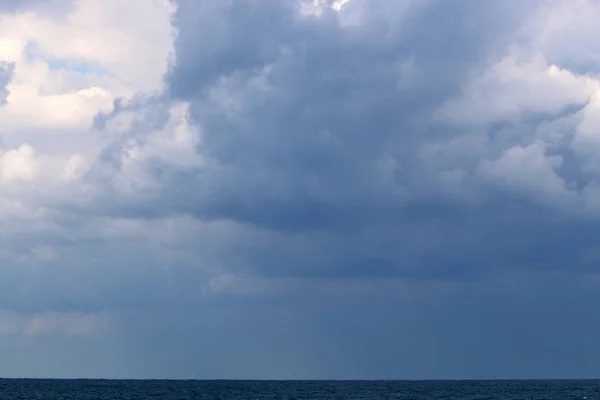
pixel 394 189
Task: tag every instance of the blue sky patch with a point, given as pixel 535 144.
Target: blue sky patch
pixel 33 52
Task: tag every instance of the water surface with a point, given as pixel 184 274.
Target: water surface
pixel 301 390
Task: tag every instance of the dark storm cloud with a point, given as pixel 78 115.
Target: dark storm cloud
pixel 310 125
pixel 337 226
pixel 320 108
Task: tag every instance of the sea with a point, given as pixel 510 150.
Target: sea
pixel 50 389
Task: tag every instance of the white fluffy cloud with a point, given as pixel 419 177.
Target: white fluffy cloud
pixel 70 66
pixel 513 88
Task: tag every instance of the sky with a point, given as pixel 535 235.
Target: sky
pixel 300 189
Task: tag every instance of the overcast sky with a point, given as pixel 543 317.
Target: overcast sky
pixel 300 189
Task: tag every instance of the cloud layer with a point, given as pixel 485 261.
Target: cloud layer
pixel 299 189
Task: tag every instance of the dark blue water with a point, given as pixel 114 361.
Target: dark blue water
pixel 288 390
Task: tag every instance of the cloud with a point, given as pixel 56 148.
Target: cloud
pixel 308 113
pixel 6 73
pixel 76 60
pixel 38 5
pixel 49 323
pixel 352 139
pixel 497 94
pixel 271 186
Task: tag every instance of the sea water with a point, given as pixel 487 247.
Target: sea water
pixel 326 390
